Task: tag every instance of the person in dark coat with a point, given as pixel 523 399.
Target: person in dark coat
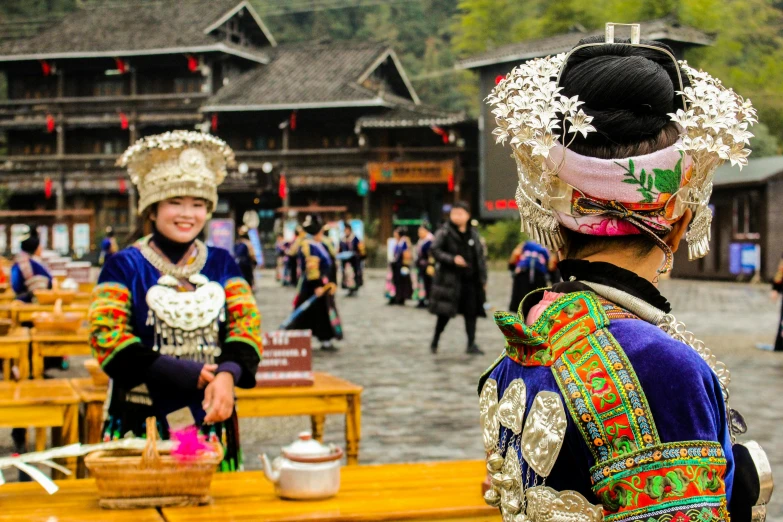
pixel 245 256
pixel 423 264
pixel 460 276
pixel 529 266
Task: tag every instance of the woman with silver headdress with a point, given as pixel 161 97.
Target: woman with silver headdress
pixel 172 321
pixel 603 407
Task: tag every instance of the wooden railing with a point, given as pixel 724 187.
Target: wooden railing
pixel 10 109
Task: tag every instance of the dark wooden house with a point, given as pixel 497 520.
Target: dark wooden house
pixel 747 215
pixel 497 171
pixel 84 87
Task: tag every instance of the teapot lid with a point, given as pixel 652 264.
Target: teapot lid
pixel 306 447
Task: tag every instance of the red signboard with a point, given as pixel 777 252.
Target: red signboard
pixel 288 359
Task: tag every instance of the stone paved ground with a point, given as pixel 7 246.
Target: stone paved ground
pixel 422 407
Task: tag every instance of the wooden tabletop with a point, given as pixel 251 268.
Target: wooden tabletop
pixel 77 501
pixel 325 384
pixel 80 336
pixel 36 307
pixel 424 491
pixel 37 393
pixel 16 335
pixel 87 390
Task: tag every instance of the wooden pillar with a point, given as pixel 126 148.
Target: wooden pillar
pixel 132 217
pixel 287 199
pixel 133 82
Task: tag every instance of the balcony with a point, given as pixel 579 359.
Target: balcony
pixel 99 111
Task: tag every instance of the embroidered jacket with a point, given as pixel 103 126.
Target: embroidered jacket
pixel 122 338
pixel 28 275
pixel 646 437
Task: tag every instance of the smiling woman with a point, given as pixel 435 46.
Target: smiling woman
pixel 185 364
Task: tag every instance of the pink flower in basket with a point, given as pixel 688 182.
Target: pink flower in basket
pixel 190 444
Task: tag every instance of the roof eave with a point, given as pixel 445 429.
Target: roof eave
pixel 244 4
pixel 387 53
pixel 375 102
pixel 217 47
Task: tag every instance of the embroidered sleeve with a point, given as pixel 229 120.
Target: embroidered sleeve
pixel 109 316
pixel 244 320
pixel 636 476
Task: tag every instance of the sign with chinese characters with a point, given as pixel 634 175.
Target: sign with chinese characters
pixel 60 240
pixel 288 359
pixel 81 239
pixel 411 172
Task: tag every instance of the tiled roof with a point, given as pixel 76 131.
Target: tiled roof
pixel 129 27
pixel 661 29
pixel 305 75
pixel 409 115
pixel 757 171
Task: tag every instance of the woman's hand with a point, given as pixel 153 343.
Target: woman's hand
pixel 219 398
pixel 207 375
pixel 460 261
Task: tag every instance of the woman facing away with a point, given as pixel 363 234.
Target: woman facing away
pixel 400 268
pixel 600 407
pixel 161 363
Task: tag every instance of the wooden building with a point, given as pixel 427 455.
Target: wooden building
pixel 748 213
pixel 83 88
pixel 497 170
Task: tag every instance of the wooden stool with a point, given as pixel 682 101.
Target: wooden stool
pixel 15 347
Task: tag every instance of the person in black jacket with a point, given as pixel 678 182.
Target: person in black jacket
pixel 460 275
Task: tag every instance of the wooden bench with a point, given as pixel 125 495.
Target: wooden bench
pixel 76 501
pixel 42 404
pixel 443 491
pixel 15 347
pixel 23 312
pixel 57 344
pixel 329 395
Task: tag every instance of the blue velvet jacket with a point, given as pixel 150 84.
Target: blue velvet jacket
pixel 122 339
pixel 39 278
pixel 647 435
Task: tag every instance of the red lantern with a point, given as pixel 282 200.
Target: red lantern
pixel 282 189
pixel 373 184
pixel 48 188
pixel 499 78
pixel 441 132
pixel 50 123
pixel 46 68
pixel 451 183
pixel 121 65
pixel 192 63
pixel 292 121
pixel 123 121
pixel 214 124
pixel 122 186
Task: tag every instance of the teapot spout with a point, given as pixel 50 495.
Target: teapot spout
pixel 272 474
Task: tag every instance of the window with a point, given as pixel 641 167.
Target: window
pixel 109 87
pixel 188 85
pixel 746 215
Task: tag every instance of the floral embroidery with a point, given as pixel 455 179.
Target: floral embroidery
pixel 109 317
pixel 566 321
pixel 244 320
pixel 604 397
pixel 660 183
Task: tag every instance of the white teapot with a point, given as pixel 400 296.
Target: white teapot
pixel 307 470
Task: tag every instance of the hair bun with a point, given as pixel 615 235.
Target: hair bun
pixel 629 91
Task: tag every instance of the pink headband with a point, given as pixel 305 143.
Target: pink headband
pixel 643 185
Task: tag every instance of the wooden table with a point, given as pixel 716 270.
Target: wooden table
pixel 42 404
pixel 76 501
pixel 329 395
pixel 56 344
pixel 23 312
pixel 15 346
pixel 445 491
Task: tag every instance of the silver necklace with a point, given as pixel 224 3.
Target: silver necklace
pixel 677 331
pixel 166 267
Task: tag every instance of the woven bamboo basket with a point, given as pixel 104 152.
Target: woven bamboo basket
pixel 128 480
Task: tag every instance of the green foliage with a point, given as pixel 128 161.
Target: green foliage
pixel 502 237
pixel 763 143
pixel 747 53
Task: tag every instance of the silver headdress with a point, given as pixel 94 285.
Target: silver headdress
pixel 535 117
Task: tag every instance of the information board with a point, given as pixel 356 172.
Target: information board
pixel 288 359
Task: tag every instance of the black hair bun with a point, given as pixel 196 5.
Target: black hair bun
pixel 627 90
